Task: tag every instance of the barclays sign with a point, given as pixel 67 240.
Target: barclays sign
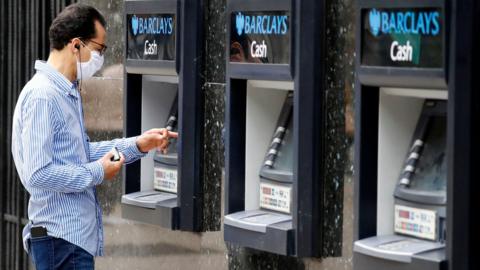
pixel 155 25
pixel 404 22
pixel 151 36
pixel 261 24
pixel 260 37
pixel 403 37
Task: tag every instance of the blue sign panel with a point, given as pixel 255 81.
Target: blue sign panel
pixel 261 37
pixel 151 36
pixel 406 37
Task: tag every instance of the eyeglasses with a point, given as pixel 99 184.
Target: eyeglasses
pixel 102 50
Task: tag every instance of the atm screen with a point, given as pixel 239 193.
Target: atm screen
pixel 165 169
pixel 172 146
pixel 172 125
pixel 431 169
pixel 421 192
pixel 278 164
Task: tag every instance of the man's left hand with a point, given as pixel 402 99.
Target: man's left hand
pixel 155 138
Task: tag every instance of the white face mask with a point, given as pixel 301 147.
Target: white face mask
pixel 85 70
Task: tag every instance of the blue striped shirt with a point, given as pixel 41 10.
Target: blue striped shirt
pixel 57 163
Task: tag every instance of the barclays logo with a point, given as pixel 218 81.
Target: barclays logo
pixel 374 19
pixel 135 25
pixel 240 23
pixel 261 24
pixel 404 22
pixel 153 25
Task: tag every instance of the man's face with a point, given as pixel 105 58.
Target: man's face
pixel 94 44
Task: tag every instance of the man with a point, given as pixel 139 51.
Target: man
pixel 57 163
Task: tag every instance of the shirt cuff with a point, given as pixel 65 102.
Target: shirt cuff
pixel 132 148
pixel 96 169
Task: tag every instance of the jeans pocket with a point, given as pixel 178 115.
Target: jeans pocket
pixel 41 249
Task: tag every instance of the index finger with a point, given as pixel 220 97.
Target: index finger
pixel 156 131
pixel 171 134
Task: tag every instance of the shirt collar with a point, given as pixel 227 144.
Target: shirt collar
pixel 58 78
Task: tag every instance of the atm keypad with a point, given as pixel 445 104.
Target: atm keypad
pixel 415 222
pixel 165 179
pixel 275 197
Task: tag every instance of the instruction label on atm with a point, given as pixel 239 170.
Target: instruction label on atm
pixel 165 180
pixel 416 222
pixel 151 36
pixel 260 37
pixel 402 37
pixel 275 197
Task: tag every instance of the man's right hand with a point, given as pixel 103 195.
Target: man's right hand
pixel 111 168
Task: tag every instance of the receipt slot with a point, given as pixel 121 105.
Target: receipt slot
pixel 273 171
pixel 401 134
pixel 163 188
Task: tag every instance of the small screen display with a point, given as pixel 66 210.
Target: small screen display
pixel 404 214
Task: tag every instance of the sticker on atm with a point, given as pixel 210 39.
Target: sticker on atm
pixel 275 197
pixel 416 222
pixel 165 180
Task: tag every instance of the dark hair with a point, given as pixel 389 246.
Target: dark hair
pixel 76 20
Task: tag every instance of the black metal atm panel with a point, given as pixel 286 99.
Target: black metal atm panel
pixel 401 133
pixel 267 205
pixel 162 188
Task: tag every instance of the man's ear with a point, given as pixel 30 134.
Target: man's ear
pixel 76 44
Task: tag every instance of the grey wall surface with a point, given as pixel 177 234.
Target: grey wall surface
pixel 131 245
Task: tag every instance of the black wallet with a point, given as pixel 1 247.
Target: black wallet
pixel 38 232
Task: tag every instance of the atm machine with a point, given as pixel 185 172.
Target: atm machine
pixel 273 171
pixel 164 175
pixel 401 136
pixel 419 202
pixel 275 180
pixel 163 89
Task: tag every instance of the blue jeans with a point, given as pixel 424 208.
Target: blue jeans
pixel 49 253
